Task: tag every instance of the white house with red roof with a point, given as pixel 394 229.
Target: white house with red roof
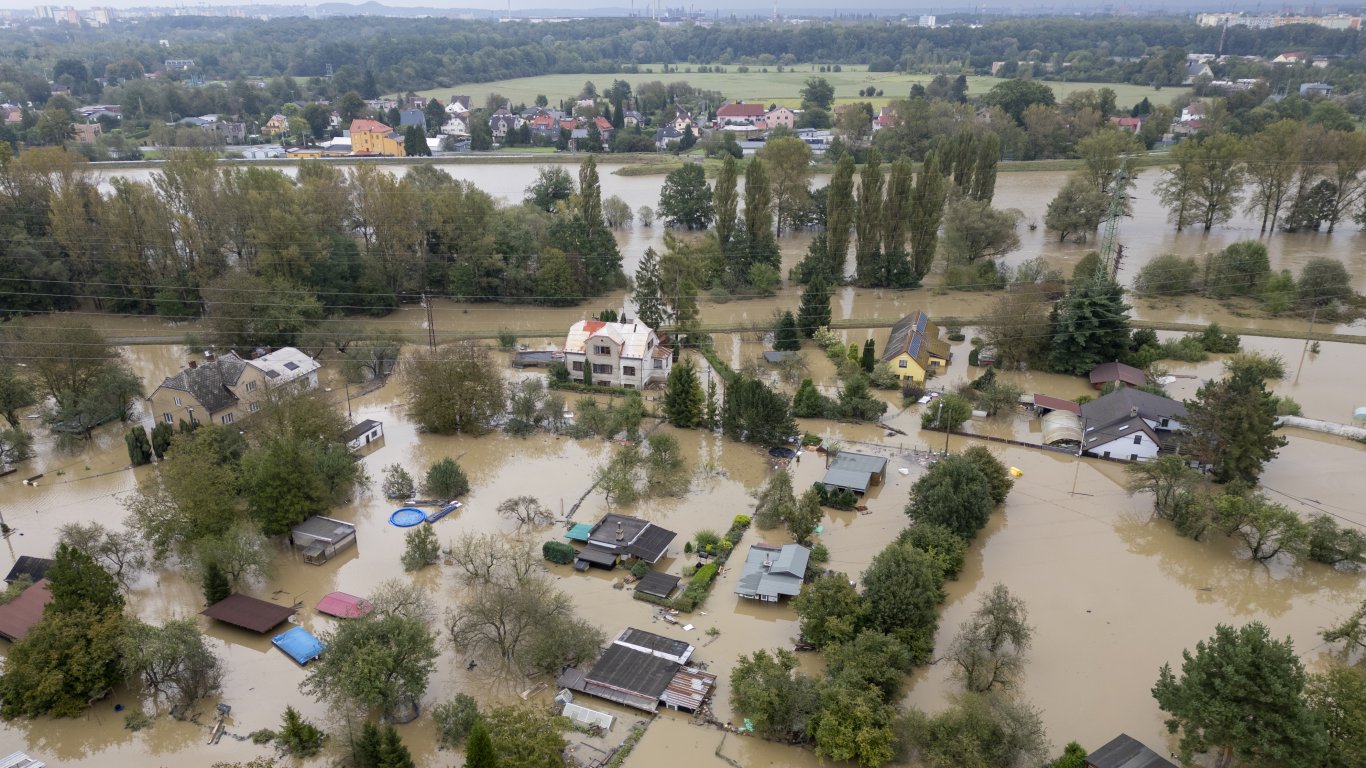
pixel 617 354
pixel 739 112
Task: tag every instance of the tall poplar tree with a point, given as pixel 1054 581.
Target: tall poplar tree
pixel 896 262
pixel 839 214
pixel 590 193
pixel 815 308
pixel 868 221
pixel 761 244
pixel 984 170
pixel 724 202
pixel 927 212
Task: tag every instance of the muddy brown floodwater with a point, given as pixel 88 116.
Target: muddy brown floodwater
pixel 1112 594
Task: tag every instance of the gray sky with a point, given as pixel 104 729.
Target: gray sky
pixel 821 7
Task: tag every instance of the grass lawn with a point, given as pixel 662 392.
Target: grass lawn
pixel 771 86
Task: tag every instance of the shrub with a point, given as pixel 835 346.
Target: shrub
pixel 398 484
pixel 420 548
pixel 299 737
pixel 558 552
pixel 446 480
pixel 639 568
pixel 455 719
pixel 1257 365
pixel 1167 275
pixel 558 373
pixel 740 521
pixel 707 540
pixel 262 736
pixel 698 587
pixel 506 339
pixel 1215 340
pixel 1187 349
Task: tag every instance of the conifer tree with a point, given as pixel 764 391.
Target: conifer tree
pixel 650 307
pixel 1090 326
pixel 366 747
pixel 927 213
pixel 868 221
pixel 392 751
pixel 869 356
pixel 713 415
pixel 815 308
pixel 724 202
pixel 786 338
pixel 216 585
pixel 683 396
pixel 479 753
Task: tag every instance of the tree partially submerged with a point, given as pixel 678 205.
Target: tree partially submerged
pixel 989 650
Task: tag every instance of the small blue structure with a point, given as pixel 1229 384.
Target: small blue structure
pixel 446 510
pixel 579 532
pixel 407 517
pixel 299 644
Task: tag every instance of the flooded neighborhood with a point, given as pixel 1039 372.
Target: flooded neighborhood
pixel 1113 591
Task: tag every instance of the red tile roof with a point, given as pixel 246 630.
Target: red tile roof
pixel 19 615
pixel 593 326
pixel 369 126
pixel 740 109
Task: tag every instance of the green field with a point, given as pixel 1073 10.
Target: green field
pixel 768 87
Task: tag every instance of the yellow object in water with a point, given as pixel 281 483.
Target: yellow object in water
pixel 1015 472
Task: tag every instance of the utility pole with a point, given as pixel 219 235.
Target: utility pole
pixel 431 324
pixel 1313 315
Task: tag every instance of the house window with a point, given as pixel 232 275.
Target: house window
pixel 177 402
pixel 600 368
pixel 168 418
pixel 227 418
pixel 251 386
pixel 659 365
pixel 602 350
pixel 1164 423
pixel 1138 439
pixel 578 366
pixel 629 385
pixel 255 407
pixel 628 370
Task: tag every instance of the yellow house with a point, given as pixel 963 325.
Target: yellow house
pixel 914 350
pixel 371 137
pixel 227 389
pixel 277 123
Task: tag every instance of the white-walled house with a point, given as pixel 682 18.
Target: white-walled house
pixel 618 354
pixel 1129 424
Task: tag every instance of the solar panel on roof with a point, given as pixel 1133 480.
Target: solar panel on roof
pixel 916 341
pixel 920 323
pixel 292 366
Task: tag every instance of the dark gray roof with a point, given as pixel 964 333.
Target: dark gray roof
pixel 1128 427
pixel 658 584
pixel 597 556
pixel 324 528
pixel 777 357
pixel 639 538
pixel 858 462
pixel 1124 751
pixel 358 430
pixel 35 567
pixel 651 544
pixel 653 642
pixel 208 382
pixel 773 571
pixel 846 478
pixel 634 671
pixel 906 336
pixel 1122 404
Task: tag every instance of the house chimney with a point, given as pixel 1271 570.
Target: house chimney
pixel 620 536
pixel 1133 411
pixel 193 364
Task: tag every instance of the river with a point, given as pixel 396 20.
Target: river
pixel 1112 594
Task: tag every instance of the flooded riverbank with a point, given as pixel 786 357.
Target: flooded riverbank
pixel 1112 594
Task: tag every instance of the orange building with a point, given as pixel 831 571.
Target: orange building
pixel 371 137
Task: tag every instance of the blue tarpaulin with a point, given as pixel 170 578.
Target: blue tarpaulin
pixel 299 644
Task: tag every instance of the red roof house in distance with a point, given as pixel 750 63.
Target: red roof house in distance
pixel 1130 124
pixel 739 112
pixel 1116 371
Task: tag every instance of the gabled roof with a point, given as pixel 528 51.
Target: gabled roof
pixel 1118 430
pixel 1124 751
pixel 740 109
pixel 657 645
pixel 323 528
pixel 1117 371
pixel 19 615
pixel 1126 402
pixel 630 670
pixel 773 571
pixel 1056 404
pixel 208 382
pixel 916 336
pixel 369 126
pixel 858 462
pixel 658 584
pixel 344 606
pixel 636 339
pixel 359 429
pixel 34 567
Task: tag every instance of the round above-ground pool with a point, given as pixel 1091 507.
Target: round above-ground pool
pixel 407 517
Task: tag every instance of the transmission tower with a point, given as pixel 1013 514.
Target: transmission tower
pixel 1110 250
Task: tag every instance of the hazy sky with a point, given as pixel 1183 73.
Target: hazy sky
pixel 822 7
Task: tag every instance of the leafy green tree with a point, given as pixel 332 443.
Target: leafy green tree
pixel 949 413
pixel 172 660
pixel 1167 275
pixel 780 702
pixel 814 311
pixel 1240 693
pixel 1090 326
pixel 990 647
pixel 830 610
pixel 479 753
pixel 1334 545
pixel 992 469
pixel 1077 210
pixel 976 731
pixel 974 230
pixel 839 216
pixel 68 659
pixel 454 389
pixel 161 439
pixel 902 588
pixel 939 542
pixel 871 658
pixel 456 720
pixel 855 724
pixel 1323 281
pixel 15 393
pixel 683 401
pixel 1205 183
pixel 725 201
pixel 1073 756
pixel 785 164
pixel 954 493
pixel 751 412
pixel 1167 478
pixel 446 480
pixel 805 517
pixel 1241 269
pixel 552 186
pixel 381 661
pixel 1272 158
pixel 393 753
pixel 1231 425
pixel 365 748
pixel 44 347
pixel 79 584
pixel 215 584
pixel 785 337
pixel 526 736
pixel 420 548
pixel 685 200
pixel 817 92
pixel 415 142
pixel 869 358
pixel 1337 697
pixel 297 736
pixel 1015 96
